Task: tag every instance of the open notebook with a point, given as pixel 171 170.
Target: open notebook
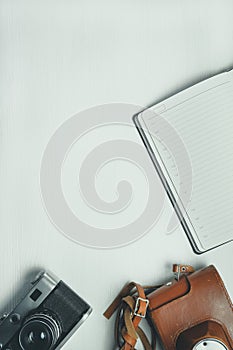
pixel 189 137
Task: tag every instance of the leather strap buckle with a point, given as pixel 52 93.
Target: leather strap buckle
pixel 179 269
pixel 141 307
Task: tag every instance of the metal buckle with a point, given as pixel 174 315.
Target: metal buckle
pixel 180 271
pixel 177 274
pixel 137 307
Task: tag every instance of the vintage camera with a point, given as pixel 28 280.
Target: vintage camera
pixel 45 319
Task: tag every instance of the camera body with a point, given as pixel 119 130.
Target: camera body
pixel 45 319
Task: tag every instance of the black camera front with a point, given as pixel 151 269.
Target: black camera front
pixel 45 318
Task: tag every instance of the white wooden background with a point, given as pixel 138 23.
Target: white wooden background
pixel 58 58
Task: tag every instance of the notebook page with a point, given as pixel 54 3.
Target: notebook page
pixel 204 122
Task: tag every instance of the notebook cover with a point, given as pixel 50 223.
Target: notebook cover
pixel 189 137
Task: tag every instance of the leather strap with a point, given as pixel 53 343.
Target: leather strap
pixel 127 330
pixel 132 305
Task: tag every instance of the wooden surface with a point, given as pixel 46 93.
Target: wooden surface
pixel 58 58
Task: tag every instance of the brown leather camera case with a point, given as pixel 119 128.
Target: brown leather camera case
pixel 194 308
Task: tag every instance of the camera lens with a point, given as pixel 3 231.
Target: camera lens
pixel 39 332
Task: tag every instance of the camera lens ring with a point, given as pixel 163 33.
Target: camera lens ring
pixel 46 325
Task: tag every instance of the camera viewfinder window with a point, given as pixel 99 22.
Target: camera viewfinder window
pixel 35 295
